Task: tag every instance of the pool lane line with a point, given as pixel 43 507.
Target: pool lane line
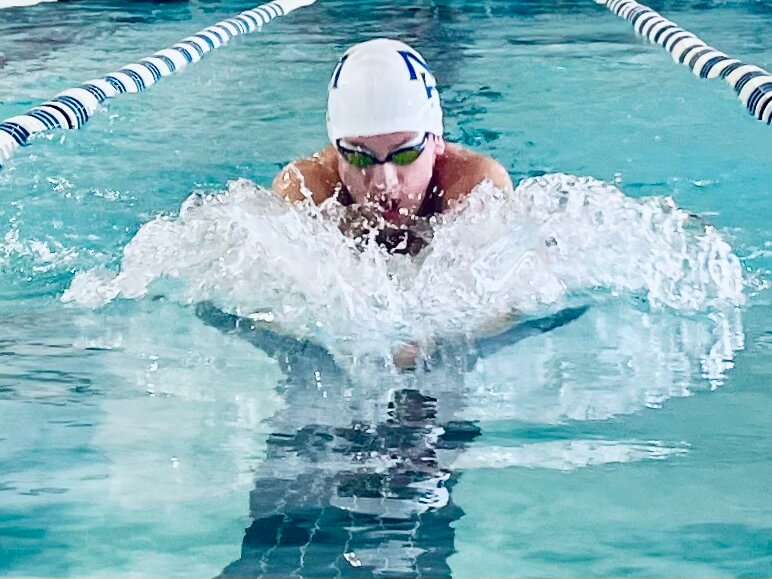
pixel 752 84
pixel 72 108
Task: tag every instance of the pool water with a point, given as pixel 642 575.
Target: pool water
pixel 149 427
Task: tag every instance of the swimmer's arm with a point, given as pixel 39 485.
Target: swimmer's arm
pixel 312 178
pixel 495 172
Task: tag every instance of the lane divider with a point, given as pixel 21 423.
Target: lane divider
pixel 752 84
pixel 72 108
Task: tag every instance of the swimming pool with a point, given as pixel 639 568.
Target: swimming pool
pixel 151 436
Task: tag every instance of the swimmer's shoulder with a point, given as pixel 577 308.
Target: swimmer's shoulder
pixel 459 170
pixel 315 177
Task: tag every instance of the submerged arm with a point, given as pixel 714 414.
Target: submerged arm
pixel 483 346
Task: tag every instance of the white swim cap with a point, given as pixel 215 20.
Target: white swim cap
pixel 382 86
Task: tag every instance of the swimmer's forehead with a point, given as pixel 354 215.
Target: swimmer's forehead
pixel 389 140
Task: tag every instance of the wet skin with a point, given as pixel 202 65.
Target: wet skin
pixel 445 171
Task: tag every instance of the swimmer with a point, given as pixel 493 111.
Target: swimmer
pixel 388 161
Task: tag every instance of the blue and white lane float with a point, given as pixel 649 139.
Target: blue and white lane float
pixel 72 108
pixel 752 84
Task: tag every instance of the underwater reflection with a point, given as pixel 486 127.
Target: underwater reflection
pixel 344 490
pixel 367 499
pixel 355 485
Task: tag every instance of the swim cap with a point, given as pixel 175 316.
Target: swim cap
pixel 382 86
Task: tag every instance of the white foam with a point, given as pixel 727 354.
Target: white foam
pixel 555 238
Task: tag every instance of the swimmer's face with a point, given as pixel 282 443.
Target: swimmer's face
pixel 398 190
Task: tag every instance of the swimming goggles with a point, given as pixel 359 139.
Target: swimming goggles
pixel 362 158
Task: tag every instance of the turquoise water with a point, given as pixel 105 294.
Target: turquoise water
pixel 141 434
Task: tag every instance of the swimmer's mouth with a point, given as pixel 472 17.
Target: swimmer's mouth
pixel 391 211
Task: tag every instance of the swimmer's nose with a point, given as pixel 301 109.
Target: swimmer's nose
pixel 384 177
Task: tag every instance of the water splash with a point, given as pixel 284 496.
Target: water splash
pixel 34 255
pixel 556 239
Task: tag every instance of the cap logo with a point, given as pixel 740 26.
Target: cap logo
pixel 410 59
pixel 336 74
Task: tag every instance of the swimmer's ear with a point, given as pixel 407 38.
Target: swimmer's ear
pixel 439 145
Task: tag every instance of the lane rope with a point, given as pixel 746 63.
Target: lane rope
pixel 752 84
pixel 72 108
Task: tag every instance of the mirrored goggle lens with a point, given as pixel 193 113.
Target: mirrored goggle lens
pixel 358 159
pixel 406 157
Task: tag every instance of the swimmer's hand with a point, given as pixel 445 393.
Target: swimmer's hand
pixel 409 354
pixel 357 221
pixel 366 222
pixel 498 325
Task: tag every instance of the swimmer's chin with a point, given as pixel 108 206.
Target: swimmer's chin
pixel 399 216
pixel 393 212
pixel 395 217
